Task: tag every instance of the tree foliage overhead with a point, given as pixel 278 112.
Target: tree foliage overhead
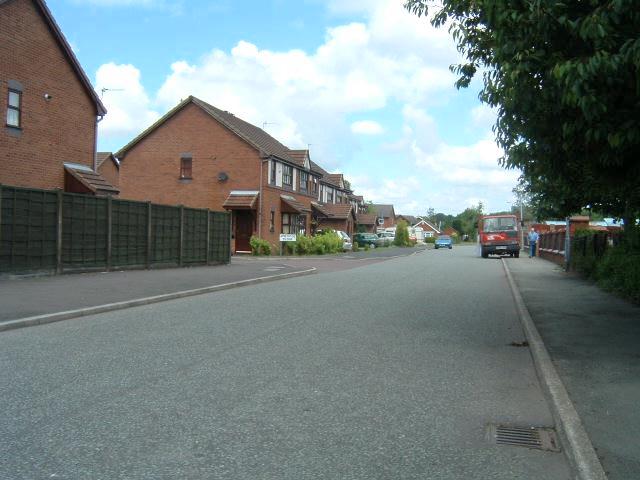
pixel 565 80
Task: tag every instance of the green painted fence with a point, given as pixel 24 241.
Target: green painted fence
pixel 53 231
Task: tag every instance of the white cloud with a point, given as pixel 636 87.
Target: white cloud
pixel 388 58
pixel 128 105
pixel 367 127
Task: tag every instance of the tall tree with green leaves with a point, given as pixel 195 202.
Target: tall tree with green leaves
pixel 565 80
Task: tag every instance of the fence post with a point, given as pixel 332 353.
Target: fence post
pixel 149 218
pixel 109 230
pixel 181 239
pixel 208 259
pixel 59 233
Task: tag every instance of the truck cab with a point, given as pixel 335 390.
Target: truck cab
pixel 499 235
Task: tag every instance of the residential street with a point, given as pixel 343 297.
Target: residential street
pixel 391 370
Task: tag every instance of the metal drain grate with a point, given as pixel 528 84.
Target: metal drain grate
pixel 539 438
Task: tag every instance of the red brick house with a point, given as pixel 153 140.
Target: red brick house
pixel 200 156
pixel 49 107
pixel 428 228
pixel 338 216
pixel 386 215
pixel 367 222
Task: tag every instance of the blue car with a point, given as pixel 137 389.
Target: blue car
pixel 444 241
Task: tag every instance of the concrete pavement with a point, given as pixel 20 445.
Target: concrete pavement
pixel 592 338
pixel 38 296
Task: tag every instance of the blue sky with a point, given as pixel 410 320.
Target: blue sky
pixel 363 82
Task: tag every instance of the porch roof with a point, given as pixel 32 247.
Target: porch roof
pixel 291 203
pixel 241 200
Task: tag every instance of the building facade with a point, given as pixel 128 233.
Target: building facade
pixel 200 156
pixel 49 107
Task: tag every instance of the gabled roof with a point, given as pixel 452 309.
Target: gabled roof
pixel 409 218
pixel 301 157
pixel 318 169
pixel 337 210
pixel 68 52
pixel 101 157
pixel 427 224
pixel 367 218
pixel 91 180
pixel 254 136
pixel 383 210
pixel 357 198
pixel 294 204
pixel 336 179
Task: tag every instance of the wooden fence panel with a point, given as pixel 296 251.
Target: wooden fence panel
pixel 84 232
pixel 46 230
pixel 220 237
pixel 165 235
pixel 194 249
pixel 28 229
pixel 129 233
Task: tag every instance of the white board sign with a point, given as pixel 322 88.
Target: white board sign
pixel 287 237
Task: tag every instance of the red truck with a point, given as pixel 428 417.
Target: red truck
pixel 499 235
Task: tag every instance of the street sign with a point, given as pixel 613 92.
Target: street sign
pixel 287 237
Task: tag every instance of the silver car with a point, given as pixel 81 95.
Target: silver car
pixel 347 246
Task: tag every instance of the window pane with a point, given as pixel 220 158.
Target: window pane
pixel 14 99
pixel 13 117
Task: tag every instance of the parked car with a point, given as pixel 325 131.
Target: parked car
pixel 363 239
pixel 389 237
pixel 347 246
pixel 443 241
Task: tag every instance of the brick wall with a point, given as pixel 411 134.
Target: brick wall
pixel 53 131
pixel 110 172
pixel 150 171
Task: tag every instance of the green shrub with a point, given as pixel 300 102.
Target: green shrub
pixel 326 242
pixel 402 235
pixel 619 269
pixel 429 239
pixel 303 245
pixel 366 247
pixel 356 247
pixel 259 246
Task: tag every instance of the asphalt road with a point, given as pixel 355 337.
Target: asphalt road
pixel 388 371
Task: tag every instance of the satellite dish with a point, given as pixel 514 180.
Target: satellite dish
pixel 223 177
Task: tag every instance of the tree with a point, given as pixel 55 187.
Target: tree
pixel 565 80
pixel 402 234
pixel 465 221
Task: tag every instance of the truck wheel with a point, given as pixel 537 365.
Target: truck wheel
pixel 485 254
pixel 517 254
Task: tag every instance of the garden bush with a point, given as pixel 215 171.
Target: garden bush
pixel 259 246
pixel 402 235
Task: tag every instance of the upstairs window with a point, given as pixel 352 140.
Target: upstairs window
pixel 329 195
pixel 185 167
pixel 287 175
pixel 314 185
pixel 14 103
pixel 273 172
pixel 304 180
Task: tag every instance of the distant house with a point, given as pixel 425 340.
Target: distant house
pixel 410 219
pixel 335 216
pixel 386 215
pixel 367 222
pixel 50 109
pixel 200 156
pixel 452 232
pixel 428 228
